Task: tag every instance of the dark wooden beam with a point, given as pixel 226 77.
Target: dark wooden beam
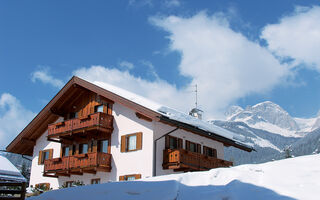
pixel 143 117
pixel 50 175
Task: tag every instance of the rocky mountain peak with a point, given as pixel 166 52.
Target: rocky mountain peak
pixel 265 113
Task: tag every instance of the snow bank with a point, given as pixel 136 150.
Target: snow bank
pixel 289 179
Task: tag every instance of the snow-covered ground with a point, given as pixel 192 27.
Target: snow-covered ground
pixel 289 179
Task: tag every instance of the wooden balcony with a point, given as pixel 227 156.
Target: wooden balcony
pixel 78 164
pixel 96 121
pixel 183 160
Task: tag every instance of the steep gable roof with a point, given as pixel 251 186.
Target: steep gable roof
pixel 24 142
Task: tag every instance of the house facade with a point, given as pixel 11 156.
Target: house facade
pixel 95 133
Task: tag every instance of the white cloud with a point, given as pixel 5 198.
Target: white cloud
pixel 13 118
pixel 225 64
pixel 172 3
pixel 126 65
pixel 44 76
pixel 151 68
pixel 296 36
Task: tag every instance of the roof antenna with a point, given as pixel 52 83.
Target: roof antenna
pixel 196 96
pixel 195 112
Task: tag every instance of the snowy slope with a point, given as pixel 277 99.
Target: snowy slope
pixel 289 179
pixel 308 124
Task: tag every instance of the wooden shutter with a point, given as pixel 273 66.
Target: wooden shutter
pixel 139 141
pixel 167 142
pixel 39 157
pixel 137 176
pixel 205 150
pixel 121 178
pixel 187 145
pixel 215 153
pixel 62 151
pixel 179 143
pixel 198 148
pixel 50 153
pixel 123 143
pixel 95 146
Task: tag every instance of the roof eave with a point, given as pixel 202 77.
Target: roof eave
pixel 211 135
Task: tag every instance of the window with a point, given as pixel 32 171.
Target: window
pixel 74 149
pixel 193 147
pixel 44 155
pixel 173 142
pixel 73 115
pixel 211 152
pixel 130 177
pixel 98 108
pixel 103 146
pixel 69 183
pixel 83 148
pixel 65 151
pixel 131 142
pixel 95 181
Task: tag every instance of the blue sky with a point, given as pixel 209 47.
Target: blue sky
pixel 238 53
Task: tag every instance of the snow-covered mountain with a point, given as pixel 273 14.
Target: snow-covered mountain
pixel 271 117
pixel 270 129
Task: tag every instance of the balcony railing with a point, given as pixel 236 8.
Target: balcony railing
pixel 96 120
pixel 67 165
pixel 183 160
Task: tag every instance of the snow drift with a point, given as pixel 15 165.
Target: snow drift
pixel 289 179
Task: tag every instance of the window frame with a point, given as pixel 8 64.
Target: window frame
pixel 99 145
pixel 81 148
pixel 41 156
pixel 95 181
pixel 179 142
pixel 125 177
pixel 125 142
pixel 197 146
pixel 64 151
pixel 205 150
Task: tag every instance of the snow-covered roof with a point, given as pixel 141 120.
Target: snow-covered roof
pixel 9 172
pixel 172 113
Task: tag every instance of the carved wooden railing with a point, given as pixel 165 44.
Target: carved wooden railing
pixel 99 119
pixel 187 160
pixel 80 161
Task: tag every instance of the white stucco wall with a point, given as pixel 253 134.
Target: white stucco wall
pixel 37 170
pixel 123 163
pixel 135 162
pixel 161 129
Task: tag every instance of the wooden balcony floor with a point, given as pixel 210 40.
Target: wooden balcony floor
pixel 95 122
pixel 78 164
pixel 183 160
